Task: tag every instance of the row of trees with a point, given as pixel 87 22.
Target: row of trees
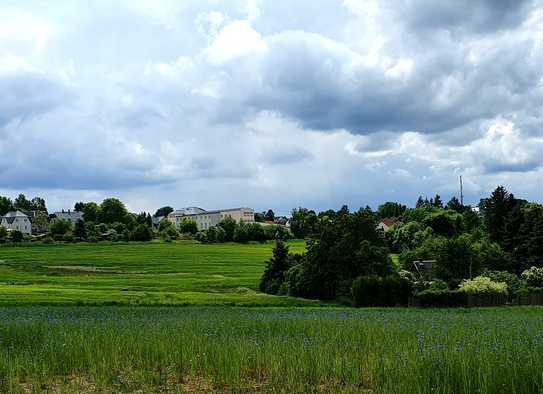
pixel 22 203
pixel 228 230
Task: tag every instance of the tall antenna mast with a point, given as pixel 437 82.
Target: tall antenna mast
pixel 461 192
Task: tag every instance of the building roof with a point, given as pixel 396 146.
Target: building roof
pixel 388 222
pixel 11 216
pixel 190 211
pixel 69 215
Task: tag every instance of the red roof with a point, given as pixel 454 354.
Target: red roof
pixel 388 222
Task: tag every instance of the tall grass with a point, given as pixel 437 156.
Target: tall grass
pixel 271 350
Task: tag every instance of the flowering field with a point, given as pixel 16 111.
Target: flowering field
pixel 126 349
pixel 149 273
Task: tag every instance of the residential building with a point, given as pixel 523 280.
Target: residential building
pixel 16 221
pixel 385 224
pixel 70 216
pixel 206 219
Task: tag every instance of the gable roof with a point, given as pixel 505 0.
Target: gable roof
pixel 11 216
pixel 388 222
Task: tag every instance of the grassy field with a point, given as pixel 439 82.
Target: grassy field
pixel 178 273
pixel 229 349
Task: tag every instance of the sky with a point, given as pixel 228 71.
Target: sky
pixel 270 103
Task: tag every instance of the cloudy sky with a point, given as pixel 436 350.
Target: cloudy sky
pixel 270 103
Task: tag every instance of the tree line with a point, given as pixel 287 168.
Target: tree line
pixel 494 248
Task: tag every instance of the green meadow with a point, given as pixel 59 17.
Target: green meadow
pixel 177 273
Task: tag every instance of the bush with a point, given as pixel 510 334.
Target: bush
pixel 513 282
pixel 376 291
pixel 441 298
pixel 141 233
pixel 59 227
pixel 16 236
pixel 3 234
pixel 482 285
pixel 533 277
pixel 68 238
pixel 169 232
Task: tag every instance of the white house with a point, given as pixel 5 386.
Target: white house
pixel 385 224
pixel 206 219
pixel 16 220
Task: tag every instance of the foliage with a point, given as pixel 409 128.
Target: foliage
pixel 141 233
pixel 112 210
pixel 23 204
pixel 3 234
pixel 40 223
pixel 59 227
pixel 16 236
pixel 441 298
pixel 376 291
pixel 456 260
pixel 482 285
pixel 169 232
pixel 91 212
pixel 6 205
pixel 512 281
pixel 533 276
pixel 527 243
pixel 348 246
pixel 391 210
pixel 445 223
pixel 276 268
pixel 80 230
pixel 164 211
pixel 303 223
pixel 188 226
pixel 495 211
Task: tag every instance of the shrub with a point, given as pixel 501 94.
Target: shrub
pixel 441 298
pixel 141 233
pixel 3 234
pixel 376 291
pixel 59 227
pixel 188 226
pixel 68 238
pixel 513 282
pixel 16 236
pixel 533 277
pixel 169 232
pixel 482 285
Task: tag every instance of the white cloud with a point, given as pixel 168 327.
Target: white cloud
pixel 269 103
pixel 235 40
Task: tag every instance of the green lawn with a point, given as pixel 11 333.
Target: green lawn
pixel 178 273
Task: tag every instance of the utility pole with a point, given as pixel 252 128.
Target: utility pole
pixel 461 192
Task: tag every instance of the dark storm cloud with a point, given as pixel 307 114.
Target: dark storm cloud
pixel 480 16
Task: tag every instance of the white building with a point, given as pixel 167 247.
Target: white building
pixel 206 219
pixel 16 220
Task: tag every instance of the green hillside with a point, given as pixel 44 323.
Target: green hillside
pixel 179 273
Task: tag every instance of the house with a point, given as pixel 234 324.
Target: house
pixel 206 219
pixel 16 221
pixel 70 216
pixel 386 224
